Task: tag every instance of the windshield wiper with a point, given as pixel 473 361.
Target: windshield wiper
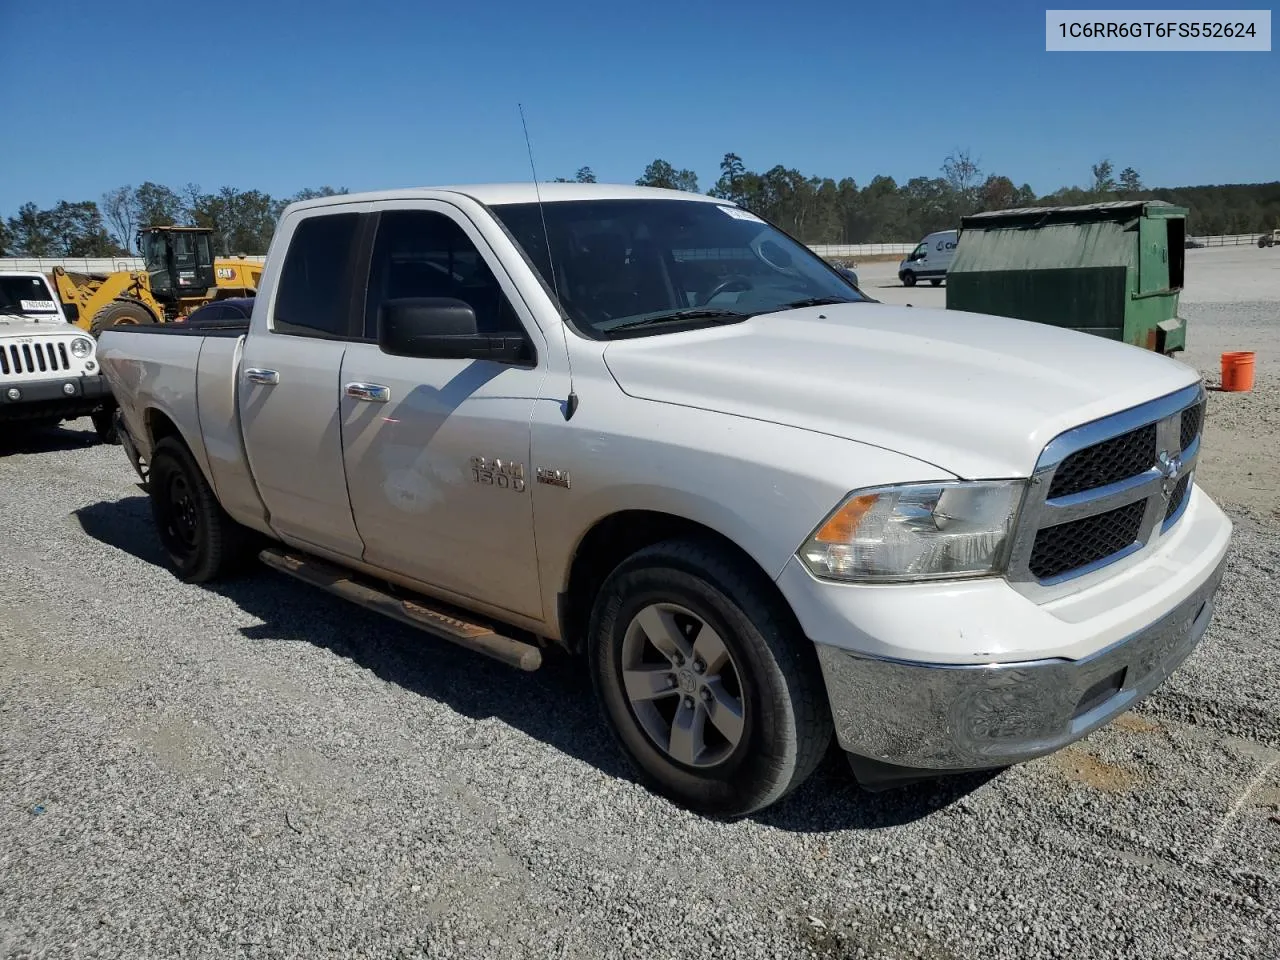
pixel 812 302
pixel 689 313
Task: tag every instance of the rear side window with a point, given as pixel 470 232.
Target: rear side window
pixel 314 297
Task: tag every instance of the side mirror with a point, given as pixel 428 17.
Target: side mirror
pixel 442 328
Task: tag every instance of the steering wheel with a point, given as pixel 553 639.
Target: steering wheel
pixel 736 281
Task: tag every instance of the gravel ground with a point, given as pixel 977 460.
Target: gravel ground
pixel 259 770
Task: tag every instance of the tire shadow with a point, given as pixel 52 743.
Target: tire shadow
pixel 20 439
pixel 832 800
pixel 555 705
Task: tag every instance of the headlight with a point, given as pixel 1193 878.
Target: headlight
pixel 917 532
pixel 81 347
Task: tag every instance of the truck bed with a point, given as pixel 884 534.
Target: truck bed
pixel 188 377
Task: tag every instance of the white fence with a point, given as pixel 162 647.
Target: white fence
pixel 1231 240
pixel 112 264
pixel 82 264
pixel 72 264
pixel 861 249
pixel 828 250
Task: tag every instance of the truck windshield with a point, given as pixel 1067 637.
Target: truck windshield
pixel 27 296
pixel 636 263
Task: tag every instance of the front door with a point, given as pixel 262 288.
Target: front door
pixel 438 464
pixel 288 390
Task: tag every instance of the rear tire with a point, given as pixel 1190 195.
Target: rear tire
pixel 705 680
pixel 120 313
pixel 936 282
pixel 908 279
pixel 202 542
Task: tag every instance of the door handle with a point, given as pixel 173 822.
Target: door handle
pixel 258 375
pixel 371 392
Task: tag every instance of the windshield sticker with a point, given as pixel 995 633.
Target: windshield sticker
pixel 739 214
pixel 36 306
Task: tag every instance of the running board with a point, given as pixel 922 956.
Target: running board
pixel 474 636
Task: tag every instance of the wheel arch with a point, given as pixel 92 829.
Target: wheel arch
pixel 613 538
pixel 160 425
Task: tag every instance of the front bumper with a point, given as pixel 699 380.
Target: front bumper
pixel 939 717
pixel 929 678
pixel 70 396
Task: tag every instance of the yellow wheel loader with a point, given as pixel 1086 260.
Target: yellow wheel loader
pixel 181 274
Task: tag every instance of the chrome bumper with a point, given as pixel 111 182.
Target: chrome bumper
pixel 940 717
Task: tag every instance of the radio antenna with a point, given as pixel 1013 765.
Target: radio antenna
pixel 572 403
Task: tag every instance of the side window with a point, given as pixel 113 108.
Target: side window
pixel 419 253
pixel 313 298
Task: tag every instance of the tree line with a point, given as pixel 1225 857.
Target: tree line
pixel 812 208
pixel 242 221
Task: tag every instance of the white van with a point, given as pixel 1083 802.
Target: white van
pixel 930 260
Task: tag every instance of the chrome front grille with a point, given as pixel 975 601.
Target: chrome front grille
pixel 1108 462
pixel 1077 543
pixel 34 356
pixel 1108 489
pixel 1175 500
pixel 1192 421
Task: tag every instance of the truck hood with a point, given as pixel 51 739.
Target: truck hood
pixel 28 325
pixel 976 395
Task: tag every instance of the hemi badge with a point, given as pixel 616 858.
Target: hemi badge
pixel 556 478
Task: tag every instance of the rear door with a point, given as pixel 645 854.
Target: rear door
pixel 438 465
pixel 288 389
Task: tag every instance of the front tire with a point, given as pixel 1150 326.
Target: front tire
pixel 705 679
pixel 104 425
pixel 908 279
pixel 202 542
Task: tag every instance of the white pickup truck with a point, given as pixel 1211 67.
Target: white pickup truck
pixel 48 367
pixel 650 427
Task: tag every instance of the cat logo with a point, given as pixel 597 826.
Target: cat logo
pixel 226 273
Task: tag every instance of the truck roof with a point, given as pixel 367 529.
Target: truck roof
pixel 495 194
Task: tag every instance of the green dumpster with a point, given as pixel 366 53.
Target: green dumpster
pixel 1111 269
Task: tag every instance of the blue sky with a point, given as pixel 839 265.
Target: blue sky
pixel 374 94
